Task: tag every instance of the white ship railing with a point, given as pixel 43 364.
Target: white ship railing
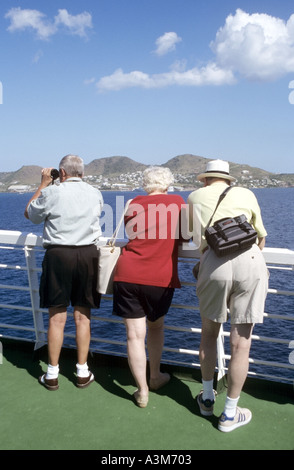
pixel 27 247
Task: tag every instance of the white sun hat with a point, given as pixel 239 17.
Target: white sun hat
pixel 217 169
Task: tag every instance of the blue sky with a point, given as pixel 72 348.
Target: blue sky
pixel 147 79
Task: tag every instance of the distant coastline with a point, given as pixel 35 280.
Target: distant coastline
pixel 124 174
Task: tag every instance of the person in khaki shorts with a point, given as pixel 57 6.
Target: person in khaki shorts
pixel 237 282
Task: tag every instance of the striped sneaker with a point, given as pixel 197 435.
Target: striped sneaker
pixel 205 406
pixel 242 417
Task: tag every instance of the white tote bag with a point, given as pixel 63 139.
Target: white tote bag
pixel 107 258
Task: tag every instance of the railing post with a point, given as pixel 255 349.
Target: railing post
pixel 35 299
pixel 221 362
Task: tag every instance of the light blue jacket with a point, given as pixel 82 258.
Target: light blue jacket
pixel 70 212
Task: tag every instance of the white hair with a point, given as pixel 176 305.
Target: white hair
pixel 157 178
pixel 72 165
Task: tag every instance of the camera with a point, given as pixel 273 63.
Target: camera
pixel 54 174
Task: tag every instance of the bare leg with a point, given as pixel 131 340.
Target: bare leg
pixel 240 340
pixel 155 341
pixel 136 333
pixel 207 350
pixel 57 320
pixel 83 332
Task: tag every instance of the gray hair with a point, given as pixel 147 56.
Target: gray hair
pixel 157 178
pixel 72 165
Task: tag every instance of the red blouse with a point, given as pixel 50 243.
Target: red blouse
pixel 153 226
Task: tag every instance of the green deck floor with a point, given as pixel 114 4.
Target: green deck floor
pixel 104 417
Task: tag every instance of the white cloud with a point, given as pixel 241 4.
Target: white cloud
pixel 37 56
pixel 89 81
pixel 256 46
pixel 166 43
pixel 76 24
pixel 208 75
pixel 30 19
pixel 23 19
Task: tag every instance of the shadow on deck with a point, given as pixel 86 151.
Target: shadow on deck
pixel 104 417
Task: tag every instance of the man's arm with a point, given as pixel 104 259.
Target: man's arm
pixel 46 179
pixel 261 242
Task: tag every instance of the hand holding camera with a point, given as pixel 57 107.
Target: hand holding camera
pixel 54 174
pixel 49 175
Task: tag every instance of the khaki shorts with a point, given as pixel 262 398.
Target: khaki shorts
pixel 237 282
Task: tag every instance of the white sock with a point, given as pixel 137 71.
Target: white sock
pixel 208 393
pixel 231 406
pixel 82 370
pixel 52 372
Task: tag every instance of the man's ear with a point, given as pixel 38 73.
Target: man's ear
pixel 62 174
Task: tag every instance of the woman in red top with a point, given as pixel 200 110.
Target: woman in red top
pixel 147 274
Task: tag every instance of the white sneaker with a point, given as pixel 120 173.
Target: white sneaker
pixel 242 417
pixel 205 406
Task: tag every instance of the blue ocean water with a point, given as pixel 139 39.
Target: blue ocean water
pixel 277 211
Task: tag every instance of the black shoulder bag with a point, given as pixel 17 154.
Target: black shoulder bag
pixel 231 234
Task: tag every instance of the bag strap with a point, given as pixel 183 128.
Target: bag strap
pixel 112 240
pixel 223 194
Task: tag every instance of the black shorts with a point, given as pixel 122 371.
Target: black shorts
pixel 69 276
pixel 137 301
